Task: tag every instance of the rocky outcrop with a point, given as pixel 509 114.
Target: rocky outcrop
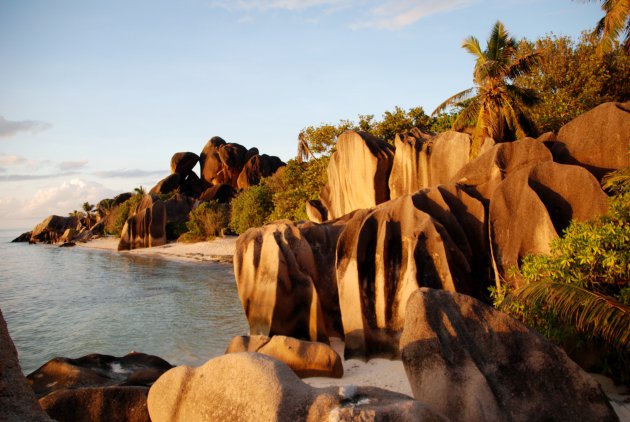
pixel 167 185
pixel 275 271
pixel 24 237
pixel 253 387
pixel 210 162
pixel 358 174
pixel 183 163
pixel 305 358
pixel 222 193
pixel 533 206
pixel 257 167
pixel 177 208
pixel 316 211
pixel 386 253
pixel 105 404
pixel 17 401
pixel 411 169
pixel 597 140
pixel 473 363
pixel 146 227
pixel 134 369
pixel 450 152
pixel 52 228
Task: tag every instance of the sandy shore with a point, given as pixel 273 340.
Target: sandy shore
pixel 218 250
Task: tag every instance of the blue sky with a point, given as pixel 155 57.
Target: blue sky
pixel 96 96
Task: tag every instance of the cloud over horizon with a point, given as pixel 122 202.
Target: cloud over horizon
pixel 9 128
pixel 72 165
pixel 124 173
pixel 389 15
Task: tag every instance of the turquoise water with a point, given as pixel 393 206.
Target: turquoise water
pixel 74 301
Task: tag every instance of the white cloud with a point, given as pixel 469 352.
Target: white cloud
pixel 12 160
pixel 10 128
pixel 60 200
pixel 398 14
pixel 72 165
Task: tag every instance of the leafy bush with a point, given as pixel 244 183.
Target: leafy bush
pixel 207 221
pixel 251 208
pixel 118 216
pixel 578 296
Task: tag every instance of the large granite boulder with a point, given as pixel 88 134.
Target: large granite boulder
pixel 411 168
pixel 358 174
pixel 275 271
pixel 222 193
pixel 52 228
pixel 183 163
pixel 178 208
pixel 532 206
pixel 316 211
pixel 102 404
pixel 191 185
pixel 597 140
pixel 257 167
pixel 17 401
pixel 167 185
pixel 481 176
pixel 450 152
pixel 24 237
pixel 305 358
pixel 210 162
pixel 473 363
pixel 146 227
pixel 253 387
pixel 135 369
pixel 232 157
pixel 386 253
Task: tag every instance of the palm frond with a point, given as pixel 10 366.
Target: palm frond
pixel 471 44
pixel 523 65
pixel 467 115
pixel 613 24
pixel 588 311
pixel 453 100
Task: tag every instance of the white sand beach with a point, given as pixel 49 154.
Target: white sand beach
pixel 217 250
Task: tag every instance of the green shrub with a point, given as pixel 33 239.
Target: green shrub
pixel 251 208
pixel 175 230
pixel 207 221
pixel 118 216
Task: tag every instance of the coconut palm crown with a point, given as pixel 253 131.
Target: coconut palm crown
pixel 496 106
pixel 614 24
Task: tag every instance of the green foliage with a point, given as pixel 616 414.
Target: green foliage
pixel 496 104
pixel 572 78
pixel 175 230
pixel 292 186
pixel 251 208
pixel 580 292
pixel 206 222
pixel 119 215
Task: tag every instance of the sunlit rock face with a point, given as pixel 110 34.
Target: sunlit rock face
pixel 410 170
pixel 183 163
pixel 52 229
pixel 275 271
pixel 385 253
pixel 254 387
pixel 147 227
pixel 257 167
pixel 358 173
pixel 456 349
pixel 597 140
pixel 533 206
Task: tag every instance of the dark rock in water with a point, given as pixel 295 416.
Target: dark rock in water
pixel 96 370
pixel 473 363
pixel 145 228
pixel 597 140
pixel 167 185
pixel 222 193
pixel 52 228
pixel 358 174
pixel 533 206
pixel 24 237
pixel 275 272
pixel 104 404
pixel 17 401
pixel 305 358
pixel 254 387
pixel 67 245
pixel 183 163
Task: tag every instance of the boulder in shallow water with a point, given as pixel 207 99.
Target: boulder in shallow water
pixel 253 387
pixel 17 401
pixel 474 363
pixel 52 228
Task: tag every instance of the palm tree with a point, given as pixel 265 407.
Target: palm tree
pixel 615 22
pixel 140 191
pixel 303 151
pixel 495 104
pixel 88 208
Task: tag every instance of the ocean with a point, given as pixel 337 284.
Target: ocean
pixel 71 302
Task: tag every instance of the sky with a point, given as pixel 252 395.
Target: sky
pixel 96 96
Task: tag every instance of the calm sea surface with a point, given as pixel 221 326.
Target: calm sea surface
pixel 74 301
